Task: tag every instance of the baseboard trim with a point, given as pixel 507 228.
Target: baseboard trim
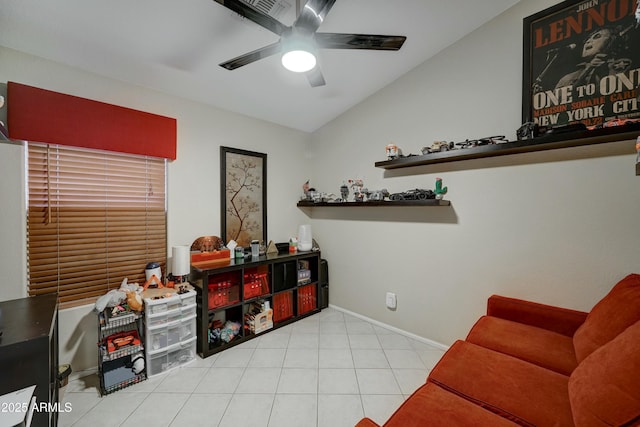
pixel 81 374
pixel 392 328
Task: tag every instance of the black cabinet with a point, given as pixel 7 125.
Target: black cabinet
pixel 239 299
pixel 29 353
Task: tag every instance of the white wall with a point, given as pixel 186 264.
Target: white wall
pixel 13 222
pixel 193 183
pixel 559 227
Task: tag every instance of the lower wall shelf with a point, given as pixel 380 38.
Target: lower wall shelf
pixel 386 203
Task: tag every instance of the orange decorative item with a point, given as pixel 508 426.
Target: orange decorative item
pixel 207 244
pixel 209 257
pixel 153 279
pixel 122 339
pixel 211 250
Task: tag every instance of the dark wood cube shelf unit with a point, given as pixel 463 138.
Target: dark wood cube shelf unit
pixel 230 291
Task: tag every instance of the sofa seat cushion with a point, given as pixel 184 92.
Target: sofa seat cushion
pixel 433 406
pixel 618 310
pixel 520 391
pixel 604 390
pixel 542 347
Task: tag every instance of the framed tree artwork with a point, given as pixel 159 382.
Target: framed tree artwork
pixel 243 195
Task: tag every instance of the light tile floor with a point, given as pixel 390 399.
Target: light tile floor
pixel 327 370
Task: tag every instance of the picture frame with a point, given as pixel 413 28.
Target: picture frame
pixel 581 64
pixel 243 189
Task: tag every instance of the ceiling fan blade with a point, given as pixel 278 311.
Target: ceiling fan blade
pixel 254 56
pixel 253 14
pixel 312 14
pixel 359 41
pixel 315 77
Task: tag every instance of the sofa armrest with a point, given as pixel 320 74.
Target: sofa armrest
pixel 367 422
pixel 557 319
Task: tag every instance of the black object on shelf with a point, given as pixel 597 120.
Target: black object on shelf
pixel 324 284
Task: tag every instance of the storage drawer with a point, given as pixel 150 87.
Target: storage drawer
pixel 161 305
pixel 171 357
pixel 163 336
pixel 164 318
pixel 188 328
pixel 188 299
pixel 184 353
pixel 188 310
pixel 157 362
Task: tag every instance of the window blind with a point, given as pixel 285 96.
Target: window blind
pixel 94 218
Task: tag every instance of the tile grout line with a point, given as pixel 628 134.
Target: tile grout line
pixel 305 329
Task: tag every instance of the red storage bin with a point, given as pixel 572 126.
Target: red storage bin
pixel 306 299
pixel 282 306
pixel 223 293
pixel 255 285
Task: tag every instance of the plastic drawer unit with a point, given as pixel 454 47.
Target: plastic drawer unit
pixel 163 360
pixel 170 326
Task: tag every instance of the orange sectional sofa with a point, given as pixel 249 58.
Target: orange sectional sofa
pixel 530 364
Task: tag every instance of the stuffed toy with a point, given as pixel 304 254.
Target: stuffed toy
pixel 134 301
pixel 115 297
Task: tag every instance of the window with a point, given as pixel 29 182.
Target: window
pixel 94 218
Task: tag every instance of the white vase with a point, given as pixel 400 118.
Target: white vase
pixel 305 241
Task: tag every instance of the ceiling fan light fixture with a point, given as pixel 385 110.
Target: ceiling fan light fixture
pixel 298 60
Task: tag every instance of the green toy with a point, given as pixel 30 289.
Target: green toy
pixel 440 191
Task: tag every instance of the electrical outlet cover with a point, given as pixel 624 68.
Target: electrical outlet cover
pixel 391 300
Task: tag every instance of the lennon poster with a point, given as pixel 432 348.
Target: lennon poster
pixel 582 63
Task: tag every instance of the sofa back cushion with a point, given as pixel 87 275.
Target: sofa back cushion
pixel 604 390
pixel 618 310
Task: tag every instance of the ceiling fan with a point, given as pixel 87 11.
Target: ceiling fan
pixel 302 37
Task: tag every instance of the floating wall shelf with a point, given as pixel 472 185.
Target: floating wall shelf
pixel 428 202
pixel 547 142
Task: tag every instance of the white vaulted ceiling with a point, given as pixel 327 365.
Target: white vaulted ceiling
pixel 176 46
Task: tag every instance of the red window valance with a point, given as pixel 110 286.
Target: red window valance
pixel 40 115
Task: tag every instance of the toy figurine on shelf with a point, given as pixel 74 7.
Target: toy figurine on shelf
pixel 309 193
pixel 440 191
pixel 638 140
pixel 344 192
pixel 375 195
pixel 392 151
pixel 356 185
pixel 306 191
pixel 312 195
